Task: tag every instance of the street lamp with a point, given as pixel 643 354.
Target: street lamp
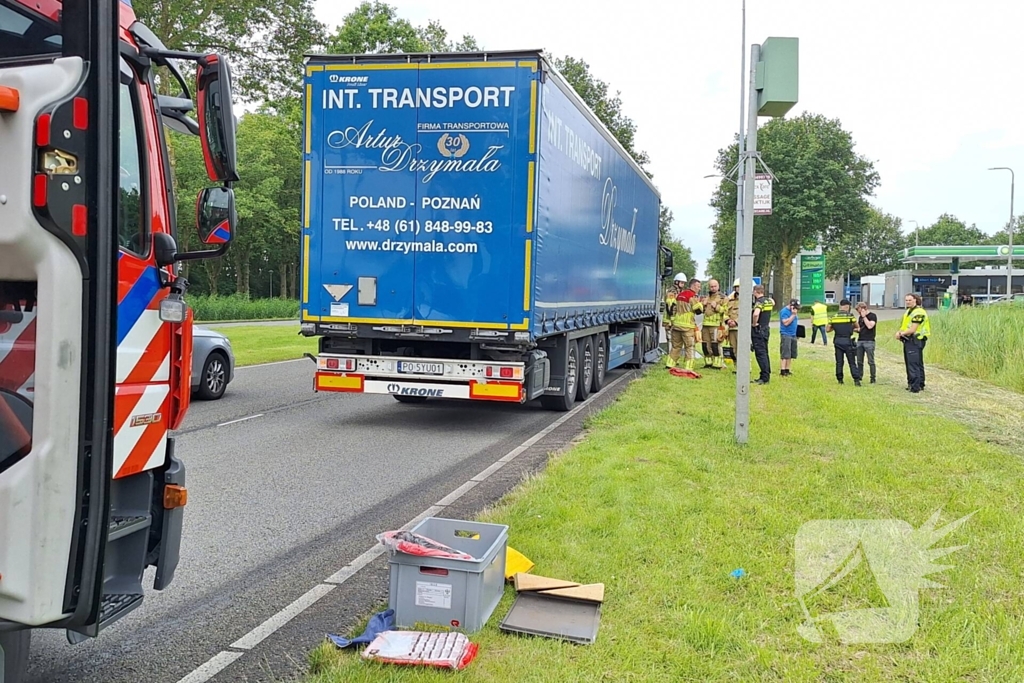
pixel 1009 233
pixel 917 231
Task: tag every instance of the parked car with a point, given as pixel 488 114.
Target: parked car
pixel 1017 299
pixel 213 363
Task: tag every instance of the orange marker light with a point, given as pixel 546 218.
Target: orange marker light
pixel 175 496
pixel 9 99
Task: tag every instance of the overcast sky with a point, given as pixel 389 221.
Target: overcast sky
pixel 927 89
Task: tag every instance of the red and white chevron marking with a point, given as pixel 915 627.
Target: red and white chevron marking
pixel 18 356
pixel 141 400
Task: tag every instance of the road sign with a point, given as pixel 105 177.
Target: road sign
pixel 762 194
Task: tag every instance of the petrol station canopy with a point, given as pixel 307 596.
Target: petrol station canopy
pixel 946 254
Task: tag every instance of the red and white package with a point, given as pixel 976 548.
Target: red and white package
pixel 419 648
pixel 415 544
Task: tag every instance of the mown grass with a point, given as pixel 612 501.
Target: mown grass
pixel 982 342
pixel 238 307
pixel 254 344
pixel 661 505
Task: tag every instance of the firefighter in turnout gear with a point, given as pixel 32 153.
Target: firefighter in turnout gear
pixel 675 337
pixel 682 316
pixel 732 320
pixel 715 310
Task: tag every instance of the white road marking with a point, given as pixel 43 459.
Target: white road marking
pixel 220 661
pixel 241 419
pixel 217 663
pixel 256 636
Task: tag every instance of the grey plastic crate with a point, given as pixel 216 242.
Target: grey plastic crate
pixel 459 594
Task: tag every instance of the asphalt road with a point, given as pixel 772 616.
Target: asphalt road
pixel 284 499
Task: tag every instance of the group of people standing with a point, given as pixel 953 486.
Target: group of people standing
pixel 683 304
pixel 853 331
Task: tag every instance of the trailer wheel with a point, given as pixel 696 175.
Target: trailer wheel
pixel 586 374
pixel 600 361
pixel 15 645
pixel 565 402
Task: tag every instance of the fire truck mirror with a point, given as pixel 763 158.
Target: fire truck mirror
pixel 216 118
pixel 215 215
pixel 165 249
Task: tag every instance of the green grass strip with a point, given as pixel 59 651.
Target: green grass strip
pixel 661 505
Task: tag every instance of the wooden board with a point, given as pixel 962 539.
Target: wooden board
pixel 592 592
pixel 532 582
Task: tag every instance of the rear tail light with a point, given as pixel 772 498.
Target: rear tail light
pixel 339 364
pixel 503 372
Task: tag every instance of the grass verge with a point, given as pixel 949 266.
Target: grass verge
pixel 984 342
pixel 239 307
pixel 658 503
pixel 254 344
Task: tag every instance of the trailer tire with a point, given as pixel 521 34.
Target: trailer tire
pixel 600 361
pixel 565 402
pixel 15 645
pixel 410 399
pixel 586 368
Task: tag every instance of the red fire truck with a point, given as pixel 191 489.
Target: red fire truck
pixel 95 337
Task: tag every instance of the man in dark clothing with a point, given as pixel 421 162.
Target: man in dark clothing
pixel 843 325
pixel 866 321
pixel 762 316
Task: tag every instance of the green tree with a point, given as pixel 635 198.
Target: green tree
pixel 721 263
pixel 265 41
pixel 607 107
pixel 682 257
pixel 820 193
pixel 950 230
pixel 876 249
pixel 375 28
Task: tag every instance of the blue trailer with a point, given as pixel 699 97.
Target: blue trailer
pixel 470 230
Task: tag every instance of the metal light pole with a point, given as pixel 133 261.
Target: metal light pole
pixel 1009 233
pixel 745 254
pixel 271 284
pixel 739 161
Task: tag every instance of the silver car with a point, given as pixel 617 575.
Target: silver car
pixel 213 363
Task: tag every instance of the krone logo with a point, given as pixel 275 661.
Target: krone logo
pixel 394 388
pixel 453 147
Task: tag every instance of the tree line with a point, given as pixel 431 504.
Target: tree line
pixel 822 199
pixel 267 45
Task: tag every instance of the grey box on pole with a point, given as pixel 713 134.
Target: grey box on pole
pixel 459 594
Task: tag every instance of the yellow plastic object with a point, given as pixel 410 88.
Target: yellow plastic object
pixel 516 562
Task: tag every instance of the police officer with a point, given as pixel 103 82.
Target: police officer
pixel 675 335
pixel 914 332
pixel 715 309
pixel 843 325
pixel 760 319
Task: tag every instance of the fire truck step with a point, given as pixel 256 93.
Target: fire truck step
pixel 126 524
pixel 113 606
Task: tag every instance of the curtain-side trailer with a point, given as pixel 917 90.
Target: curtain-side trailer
pixel 471 230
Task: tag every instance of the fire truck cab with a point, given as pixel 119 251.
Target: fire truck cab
pixel 95 336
